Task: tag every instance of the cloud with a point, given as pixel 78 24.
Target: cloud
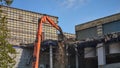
pixel 72 3
pixel 68 3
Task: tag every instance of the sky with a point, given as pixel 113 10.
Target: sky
pixel 71 12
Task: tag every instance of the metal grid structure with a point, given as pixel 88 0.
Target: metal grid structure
pixel 23 25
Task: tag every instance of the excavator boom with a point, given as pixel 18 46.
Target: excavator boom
pixel 37 45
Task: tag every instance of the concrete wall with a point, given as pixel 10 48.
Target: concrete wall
pixel 115 65
pixel 22 58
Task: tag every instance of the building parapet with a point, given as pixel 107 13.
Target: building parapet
pixel 97 22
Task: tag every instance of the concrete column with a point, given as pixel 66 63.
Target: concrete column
pixel 99 29
pixel 101 55
pixel 76 56
pixel 51 57
pixel 76 61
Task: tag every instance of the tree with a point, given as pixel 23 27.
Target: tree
pixel 6 2
pixel 7 52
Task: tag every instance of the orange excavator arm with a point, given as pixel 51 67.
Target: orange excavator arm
pixel 37 45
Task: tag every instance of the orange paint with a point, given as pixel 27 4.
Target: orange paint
pixel 37 45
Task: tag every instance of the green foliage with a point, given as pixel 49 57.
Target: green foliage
pixel 6 2
pixel 7 52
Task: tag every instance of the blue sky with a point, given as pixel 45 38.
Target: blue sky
pixel 71 12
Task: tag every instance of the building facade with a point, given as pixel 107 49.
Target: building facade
pixel 99 27
pixel 102 55
pixel 23 25
pixel 69 36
